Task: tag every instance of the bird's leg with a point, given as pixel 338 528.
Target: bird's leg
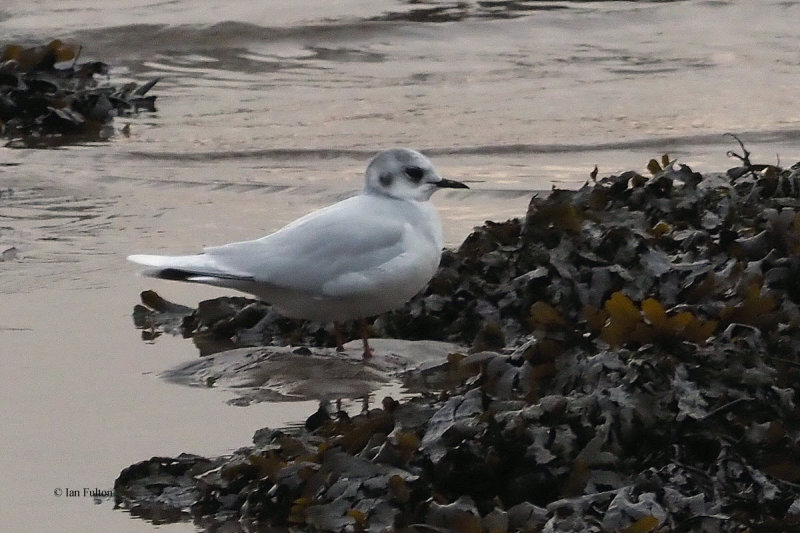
pixel 337 331
pixel 365 338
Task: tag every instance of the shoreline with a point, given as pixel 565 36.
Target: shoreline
pixel 626 365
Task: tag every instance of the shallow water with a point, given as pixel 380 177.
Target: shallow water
pixel 269 110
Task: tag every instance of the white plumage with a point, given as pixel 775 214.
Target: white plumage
pixel 360 257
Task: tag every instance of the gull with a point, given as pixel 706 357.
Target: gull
pixel 360 257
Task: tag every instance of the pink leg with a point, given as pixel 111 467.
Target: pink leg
pixel 337 331
pixel 365 338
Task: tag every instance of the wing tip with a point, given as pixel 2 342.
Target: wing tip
pixel 172 268
pixel 143 259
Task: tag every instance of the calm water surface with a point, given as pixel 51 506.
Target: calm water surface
pixel 268 110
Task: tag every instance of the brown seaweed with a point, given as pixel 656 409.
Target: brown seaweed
pixel 46 100
pixel 648 381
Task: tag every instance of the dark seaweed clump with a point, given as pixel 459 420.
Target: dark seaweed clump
pixel 634 367
pixel 46 100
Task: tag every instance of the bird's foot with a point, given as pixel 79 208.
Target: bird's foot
pixel 365 338
pixel 337 330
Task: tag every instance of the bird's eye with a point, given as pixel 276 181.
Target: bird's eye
pixel 415 173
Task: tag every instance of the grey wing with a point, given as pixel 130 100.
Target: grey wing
pixel 315 252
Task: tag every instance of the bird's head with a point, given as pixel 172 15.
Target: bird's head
pixel 405 174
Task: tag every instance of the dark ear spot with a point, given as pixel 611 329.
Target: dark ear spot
pixel 385 179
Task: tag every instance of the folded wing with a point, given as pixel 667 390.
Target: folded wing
pixel 328 253
pixel 316 251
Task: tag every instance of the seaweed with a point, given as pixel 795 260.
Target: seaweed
pixel 47 98
pixel 634 366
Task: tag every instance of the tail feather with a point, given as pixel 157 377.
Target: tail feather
pixel 171 261
pixel 194 268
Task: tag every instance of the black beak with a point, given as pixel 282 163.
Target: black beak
pixel 451 184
